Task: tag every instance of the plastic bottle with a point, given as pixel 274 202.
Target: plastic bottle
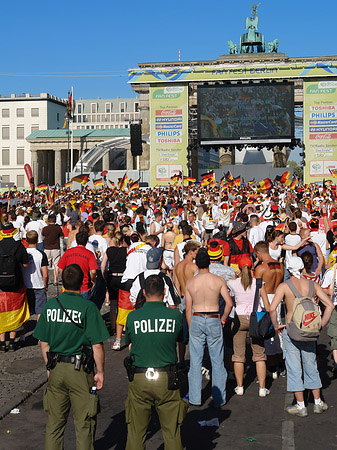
pixel 94 390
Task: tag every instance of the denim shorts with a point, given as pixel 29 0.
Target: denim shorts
pixel 37 298
pixel 295 353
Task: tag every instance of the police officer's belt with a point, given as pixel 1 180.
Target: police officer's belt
pixel 156 369
pixel 66 359
pixel 210 315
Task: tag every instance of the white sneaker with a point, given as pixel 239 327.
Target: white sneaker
pixel 116 346
pixel 274 375
pixel 239 390
pixel 263 392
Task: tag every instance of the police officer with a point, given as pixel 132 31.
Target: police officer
pixel 153 331
pixel 71 331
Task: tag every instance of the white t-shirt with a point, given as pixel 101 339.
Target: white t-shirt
pixel 327 283
pixel 32 275
pixel 37 226
pixel 291 239
pixel 136 260
pixel 319 238
pixel 135 288
pixel 100 244
pixel 255 235
pixel 18 225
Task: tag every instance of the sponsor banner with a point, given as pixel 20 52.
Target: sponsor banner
pixel 239 72
pixel 320 129
pixel 168 132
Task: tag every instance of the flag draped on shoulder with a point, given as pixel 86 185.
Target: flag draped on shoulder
pixel 14 310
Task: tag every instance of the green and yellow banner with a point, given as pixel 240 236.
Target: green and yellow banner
pixel 169 132
pixel 320 129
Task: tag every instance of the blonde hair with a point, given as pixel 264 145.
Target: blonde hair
pixel 246 277
pixel 118 239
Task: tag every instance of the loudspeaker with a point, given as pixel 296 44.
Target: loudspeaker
pixel 136 139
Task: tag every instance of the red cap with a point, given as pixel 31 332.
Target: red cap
pixel 245 261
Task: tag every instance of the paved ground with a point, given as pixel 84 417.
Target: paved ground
pixel 245 417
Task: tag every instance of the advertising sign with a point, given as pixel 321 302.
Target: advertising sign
pixel 320 129
pixel 168 131
pixel 184 73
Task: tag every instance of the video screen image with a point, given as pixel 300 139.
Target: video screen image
pixel 251 111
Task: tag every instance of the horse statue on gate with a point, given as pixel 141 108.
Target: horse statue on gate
pixel 233 48
pixel 272 46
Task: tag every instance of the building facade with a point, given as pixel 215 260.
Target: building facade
pixel 105 113
pixel 20 116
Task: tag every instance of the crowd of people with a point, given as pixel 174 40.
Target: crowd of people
pixel 213 255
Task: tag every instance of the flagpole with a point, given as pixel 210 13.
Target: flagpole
pixel 72 133
pixel 182 186
pixel 68 149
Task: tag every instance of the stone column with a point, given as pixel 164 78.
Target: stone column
pixel 34 164
pixel 50 168
pixel 58 170
pixel 105 162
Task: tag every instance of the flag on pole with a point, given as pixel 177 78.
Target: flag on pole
pixel 123 182
pixel 68 185
pixel 134 185
pixel 41 187
pixel 266 183
pixel 98 183
pixel 285 176
pixel 208 176
pixel 237 181
pixel 229 177
pixel 333 172
pixel 293 183
pixel 82 179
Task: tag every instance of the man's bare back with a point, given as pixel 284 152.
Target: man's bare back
pixel 205 290
pixel 168 239
pixel 183 272
pixel 272 273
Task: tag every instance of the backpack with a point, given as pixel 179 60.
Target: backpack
pixel 140 300
pixel 306 322
pixel 9 269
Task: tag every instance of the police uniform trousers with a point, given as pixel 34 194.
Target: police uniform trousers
pixel 170 407
pixel 70 388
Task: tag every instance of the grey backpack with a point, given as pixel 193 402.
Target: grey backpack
pixel 305 323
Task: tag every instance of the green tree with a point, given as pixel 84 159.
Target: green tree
pixel 298 170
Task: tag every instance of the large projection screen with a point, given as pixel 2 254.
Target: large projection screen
pixel 250 113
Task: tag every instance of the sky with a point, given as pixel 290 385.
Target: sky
pixel 51 46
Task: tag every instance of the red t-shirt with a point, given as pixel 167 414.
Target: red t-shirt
pixel 84 258
pixel 235 258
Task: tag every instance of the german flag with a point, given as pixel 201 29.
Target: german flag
pixel 243 181
pixel 98 183
pixel 134 185
pixel 2 220
pixel 112 184
pixel 68 185
pixel 41 187
pixel 82 179
pixel 293 183
pixel 285 176
pixel 229 177
pixel 204 183
pixel 251 181
pixel 333 172
pixel 213 183
pixel 123 182
pixel 208 176
pixel 281 226
pixel 14 310
pixel 266 183
pixel 175 178
pixel 237 181
pixel 189 180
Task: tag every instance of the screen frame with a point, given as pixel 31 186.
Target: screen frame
pixel 247 139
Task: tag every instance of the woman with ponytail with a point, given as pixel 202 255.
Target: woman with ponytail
pixel 244 289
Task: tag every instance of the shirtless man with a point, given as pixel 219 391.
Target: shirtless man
pixel 167 244
pixel 271 272
pixel 299 353
pixel 182 272
pixel 202 292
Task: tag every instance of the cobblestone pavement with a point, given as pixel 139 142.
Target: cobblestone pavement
pixel 22 372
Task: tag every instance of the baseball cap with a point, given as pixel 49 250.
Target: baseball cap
pixel 245 261
pixel 152 257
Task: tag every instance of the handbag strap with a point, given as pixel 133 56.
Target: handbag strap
pixel 333 282
pixel 257 294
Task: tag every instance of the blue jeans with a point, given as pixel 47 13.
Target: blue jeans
pixel 294 353
pixel 206 330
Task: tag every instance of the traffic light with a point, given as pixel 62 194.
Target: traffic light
pixel 136 139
